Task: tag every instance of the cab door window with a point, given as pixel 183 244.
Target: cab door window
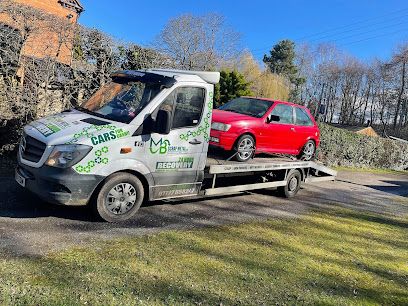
pixel 188 108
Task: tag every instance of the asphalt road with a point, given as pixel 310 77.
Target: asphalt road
pixel 29 227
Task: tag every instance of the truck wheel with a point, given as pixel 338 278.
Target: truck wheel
pixel 244 148
pixel 294 180
pixel 119 198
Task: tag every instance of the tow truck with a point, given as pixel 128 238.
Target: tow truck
pixel 144 136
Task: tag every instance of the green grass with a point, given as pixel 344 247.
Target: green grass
pixel 371 170
pixel 337 257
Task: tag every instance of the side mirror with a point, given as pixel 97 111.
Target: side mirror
pixel 273 118
pixel 163 122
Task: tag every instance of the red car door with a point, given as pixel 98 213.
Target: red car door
pixel 278 130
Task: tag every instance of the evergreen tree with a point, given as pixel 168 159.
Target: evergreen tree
pixel 232 85
pixel 282 61
pixel 282 58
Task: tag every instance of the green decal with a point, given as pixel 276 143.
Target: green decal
pixel 90 131
pixel 50 125
pixel 108 136
pixel 160 146
pixel 204 128
pixel 164 147
pixel 96 161
pixel 182 163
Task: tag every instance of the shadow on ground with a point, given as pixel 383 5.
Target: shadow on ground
pixel 393 187
pixel 30 226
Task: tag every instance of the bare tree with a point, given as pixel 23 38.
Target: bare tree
pixel 135 57
pixel 355 92
pixel 400 61
pixel 198 42
pixel 47 64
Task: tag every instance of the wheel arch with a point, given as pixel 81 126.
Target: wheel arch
pixel 246 132
pixel 307 139
pixel 146 182
pixel 302 173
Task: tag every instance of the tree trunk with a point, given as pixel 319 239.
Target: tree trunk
pixel 362 120
pixel 400 93
pixel 316 112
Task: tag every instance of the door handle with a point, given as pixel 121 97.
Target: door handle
pixel 194 142
pixel 292 129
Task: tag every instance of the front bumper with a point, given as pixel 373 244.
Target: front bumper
pixel 59 186
pixel 225 141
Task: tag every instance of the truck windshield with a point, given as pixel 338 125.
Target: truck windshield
pixel 251 107
pixel 121 100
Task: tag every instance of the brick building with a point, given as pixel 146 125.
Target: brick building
pixel 51 26
pixel 70 9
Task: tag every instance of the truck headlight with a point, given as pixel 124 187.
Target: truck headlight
pixel 65 156
pixel 220 126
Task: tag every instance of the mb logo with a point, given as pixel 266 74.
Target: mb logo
pixel 160 146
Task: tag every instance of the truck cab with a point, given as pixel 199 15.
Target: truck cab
pixel 142 136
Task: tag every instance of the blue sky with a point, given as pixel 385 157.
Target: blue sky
pixel 363 28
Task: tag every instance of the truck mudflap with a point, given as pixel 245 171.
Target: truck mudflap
pixel 58 186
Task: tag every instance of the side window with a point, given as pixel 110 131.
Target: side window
pixel 284 112
pixel 148 125
pixel 167 104
pixel 188 106
pixel 302 118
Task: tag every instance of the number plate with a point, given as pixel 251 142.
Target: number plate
pixel 19 179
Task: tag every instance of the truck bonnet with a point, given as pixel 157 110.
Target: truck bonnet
pixel 75 127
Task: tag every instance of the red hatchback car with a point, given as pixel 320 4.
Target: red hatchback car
pixel 248 125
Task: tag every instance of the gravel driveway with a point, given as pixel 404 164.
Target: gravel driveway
pixel 29 227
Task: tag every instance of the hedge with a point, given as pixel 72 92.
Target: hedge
pixel 340 147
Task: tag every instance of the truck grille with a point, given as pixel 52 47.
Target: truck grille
pixel 31 149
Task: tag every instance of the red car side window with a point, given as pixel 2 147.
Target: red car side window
pixel 284 112
pixel 302 118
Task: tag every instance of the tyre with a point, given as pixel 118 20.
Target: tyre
pixel 244 148
pixel 308 151
pixel 294 180
pixel 119 198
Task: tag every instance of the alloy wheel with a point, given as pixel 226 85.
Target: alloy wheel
pixel 308 150
pixel 245 148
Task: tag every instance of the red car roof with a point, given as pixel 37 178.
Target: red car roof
pixel 273 100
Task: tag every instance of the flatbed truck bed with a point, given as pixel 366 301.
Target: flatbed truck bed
pixel 274 172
